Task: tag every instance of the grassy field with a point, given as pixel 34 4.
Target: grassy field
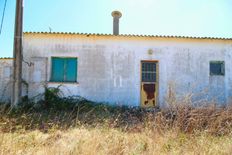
pixel 77 126
pixel 99 129
pixel 101 140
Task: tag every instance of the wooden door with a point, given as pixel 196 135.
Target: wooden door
pixel 149 83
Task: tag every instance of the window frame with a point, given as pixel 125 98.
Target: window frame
pixel 148 72
pixel 63 81
pixel 222 67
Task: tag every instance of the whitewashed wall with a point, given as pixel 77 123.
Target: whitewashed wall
pixel 5 79
pixel 109 66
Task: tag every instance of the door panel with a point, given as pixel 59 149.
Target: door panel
pixel 148 83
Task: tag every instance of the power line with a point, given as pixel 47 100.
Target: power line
pixel 3 14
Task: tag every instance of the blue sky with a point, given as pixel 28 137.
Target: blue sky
pixel 211 18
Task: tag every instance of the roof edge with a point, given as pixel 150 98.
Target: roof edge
pixel 128 35
pixel 6 58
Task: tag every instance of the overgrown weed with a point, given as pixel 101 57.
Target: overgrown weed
pixel 63 113
pixel 57 125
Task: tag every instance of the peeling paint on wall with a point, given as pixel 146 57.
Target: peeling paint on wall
pixel 109 67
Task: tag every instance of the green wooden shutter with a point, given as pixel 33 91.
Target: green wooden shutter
pixel 57 70
pixel 71 70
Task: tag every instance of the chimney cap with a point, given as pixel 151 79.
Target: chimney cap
pixel 116 14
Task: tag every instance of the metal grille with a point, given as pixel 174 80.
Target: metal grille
pixel 148 72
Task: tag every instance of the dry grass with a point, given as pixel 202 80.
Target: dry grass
pixel 99 129
pixel 112 141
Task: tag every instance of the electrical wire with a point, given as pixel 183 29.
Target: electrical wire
pixel 3 14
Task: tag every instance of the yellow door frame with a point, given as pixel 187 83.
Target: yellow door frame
pixel 156 83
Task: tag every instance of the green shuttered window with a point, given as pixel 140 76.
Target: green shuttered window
pixel 64 70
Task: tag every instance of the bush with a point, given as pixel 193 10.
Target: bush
pixel 73 111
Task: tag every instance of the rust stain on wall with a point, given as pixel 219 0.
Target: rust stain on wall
pixel 150 92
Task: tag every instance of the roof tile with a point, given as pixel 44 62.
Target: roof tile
pixel 130 35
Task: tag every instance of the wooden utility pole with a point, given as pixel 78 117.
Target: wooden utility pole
pixel 17 73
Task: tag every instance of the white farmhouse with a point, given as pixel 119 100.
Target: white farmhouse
pixel 124 69
pixel 131 70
